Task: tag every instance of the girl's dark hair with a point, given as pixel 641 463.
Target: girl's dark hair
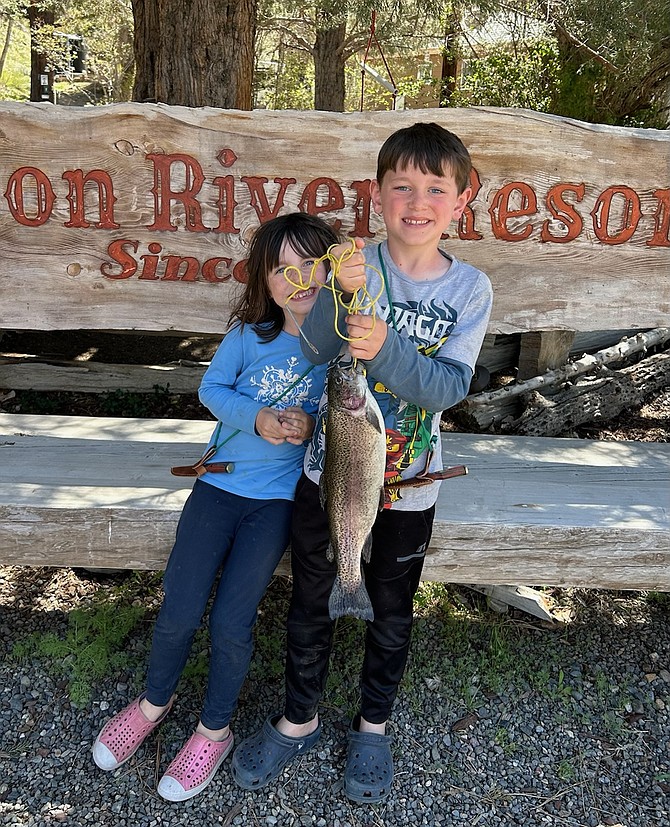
pixel 308 235
pixel 431 148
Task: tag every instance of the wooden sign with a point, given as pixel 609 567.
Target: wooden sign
pixel 138 216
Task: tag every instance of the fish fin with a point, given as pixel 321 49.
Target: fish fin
pixel 351 603
pixel 322 492
pixel 366 551
pixel 372 417
pixel 330 553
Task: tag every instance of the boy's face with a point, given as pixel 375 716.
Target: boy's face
pixel 417 207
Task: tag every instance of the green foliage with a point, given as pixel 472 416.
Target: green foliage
pixel 523 78
pixel 566 771
pixel 659 599
pixel 38 403
pixel 594 60
pixel 91 649
pixel 108 403
pixel 615 61
pixel 106 26
pixel 289 83
pixel 15 74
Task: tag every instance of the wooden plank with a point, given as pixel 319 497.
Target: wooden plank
pixel 497 353
pixel 532 511
pixel 98 377
pixel 543 350
pixel 574 215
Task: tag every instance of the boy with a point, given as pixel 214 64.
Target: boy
pixel 419 354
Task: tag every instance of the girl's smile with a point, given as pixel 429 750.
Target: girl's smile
pixel 295 281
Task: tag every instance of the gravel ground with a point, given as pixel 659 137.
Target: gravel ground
pixel 501 719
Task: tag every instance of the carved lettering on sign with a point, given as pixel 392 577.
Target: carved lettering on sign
pixel 161 268
pixel 179 194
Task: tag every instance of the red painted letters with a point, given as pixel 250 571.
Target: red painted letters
pixel 182 195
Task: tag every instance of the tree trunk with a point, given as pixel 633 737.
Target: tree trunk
pixel 195 52
pixel 449 72
pixel 39 15
pixel 5 48
pixel 329 69
pixel 146 37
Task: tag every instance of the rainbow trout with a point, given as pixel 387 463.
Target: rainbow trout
pixel 352 485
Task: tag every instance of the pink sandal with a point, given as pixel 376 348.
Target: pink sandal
pixel 122 735
pixel 193 767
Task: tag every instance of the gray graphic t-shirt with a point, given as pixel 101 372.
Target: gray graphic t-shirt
pixel 418 373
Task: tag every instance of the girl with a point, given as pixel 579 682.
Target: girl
pixel 236 520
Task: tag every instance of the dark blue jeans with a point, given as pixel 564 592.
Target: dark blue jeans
pixel 243 539
pixel 399 542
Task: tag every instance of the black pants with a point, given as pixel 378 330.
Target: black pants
pixel 399 542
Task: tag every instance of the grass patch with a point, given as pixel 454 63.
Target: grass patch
pixel 660 600
pixel 92 648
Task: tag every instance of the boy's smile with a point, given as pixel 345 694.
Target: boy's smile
pixel 417 206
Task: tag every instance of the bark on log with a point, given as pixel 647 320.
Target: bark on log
pixel 481 410
pixel 594 398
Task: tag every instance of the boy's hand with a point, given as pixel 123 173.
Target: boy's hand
pixel 351 273
pixel 358 326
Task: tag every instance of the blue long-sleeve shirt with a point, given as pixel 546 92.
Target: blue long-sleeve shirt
pixel 245 375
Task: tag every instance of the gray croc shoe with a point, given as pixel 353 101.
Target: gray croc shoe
pixel 260 758
pixel 368 774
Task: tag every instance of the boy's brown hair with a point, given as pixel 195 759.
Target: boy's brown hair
pixel 431 148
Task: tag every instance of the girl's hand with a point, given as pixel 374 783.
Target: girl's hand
pixel 350 275
pixel 298 425
pixel 358 326
pixel 290 425
pixel 269 427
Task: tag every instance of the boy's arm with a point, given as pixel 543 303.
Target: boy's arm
pixel 434 384
pixel 319 329
pixel 442 381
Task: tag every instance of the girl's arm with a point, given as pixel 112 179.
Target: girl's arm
pixel 218 387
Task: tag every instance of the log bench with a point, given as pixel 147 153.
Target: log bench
pixel 97 492
pixel 159 253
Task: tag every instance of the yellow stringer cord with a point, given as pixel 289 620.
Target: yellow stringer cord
pixel 360 302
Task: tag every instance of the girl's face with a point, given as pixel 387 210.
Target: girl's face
pixel 298 286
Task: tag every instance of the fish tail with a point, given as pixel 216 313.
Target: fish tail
pixel 354 603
